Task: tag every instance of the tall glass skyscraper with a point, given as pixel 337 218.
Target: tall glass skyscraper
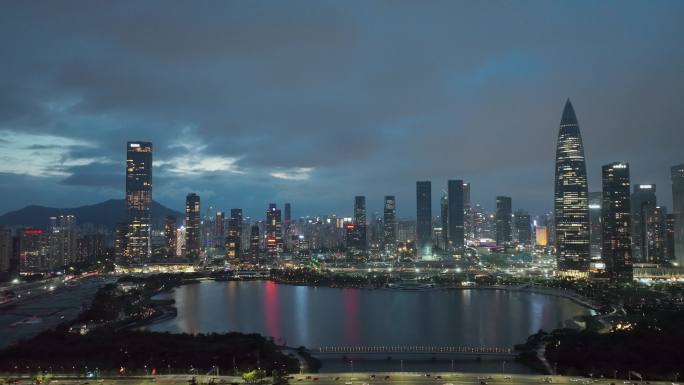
pixel 504 210
pixel 234 236
pixel 677 174
pixel 571 211
pixel 138 200
pixel 455 220
pixel 616 210
pixel 360 224
pixel 192 226
pixel 643 203
pixel 424 219
pixel 390 225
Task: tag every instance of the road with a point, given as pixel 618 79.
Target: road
pixel 399 378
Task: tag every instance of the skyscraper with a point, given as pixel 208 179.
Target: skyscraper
pixel 456 229
pixel 254 244
pixel 390 225
pixel 595 228
pixel 274 232
pixel 656 234
pixel 571 211
pixel 234 237
pixel 677 174
pixel 359 230
pixel 617 243
pixel 170 234
pixel 192 226
pixel 138 200
pixel 444 218
pixel 424 219
pixel 643 203
pixel 523 227
pixel 503 220
pixel 287 220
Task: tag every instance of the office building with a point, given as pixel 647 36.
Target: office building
pixel 424 219
pixel 616 211
pixel 192 226
pixel 138 200
pixel 595 228
pixel 234 237
pixel 171 235
pixel 523 227
pixel 455 220
pixel 359 231
pixel 444 220
pixel 643 202
pixel 503 219
pixel 390 225
pixel 274 233
pixel 571 211
pixel 677 175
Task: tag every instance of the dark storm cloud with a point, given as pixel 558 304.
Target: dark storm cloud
pixel 316 101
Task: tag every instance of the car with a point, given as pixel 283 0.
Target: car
pixel 548 380
pixel 387 377
pixel 438 377
pixel 299 379
pixel 315 378
pixel 348 383
pixel 372 376
pixel 336 379
pixel 427 374
pixel 483 382
pixel 507 377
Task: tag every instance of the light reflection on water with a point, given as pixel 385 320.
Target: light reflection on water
pixel 314 317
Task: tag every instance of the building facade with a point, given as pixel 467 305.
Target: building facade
pixel 424 219
pixel 616 212
pixel 504 210
pixel 389 227
pixel 138 200
pixel 677 175
pixel 455 221
pixel 571 211
pixel 192 226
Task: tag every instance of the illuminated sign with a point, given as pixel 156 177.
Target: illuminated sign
pixel 33 232
pixel 620 165
pixel 645 186
pixel 134 145
pixel 595 207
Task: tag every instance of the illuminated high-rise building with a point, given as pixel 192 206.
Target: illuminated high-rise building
pixel 456 226
pixel 171 235
pixel 571 211
pixel 234 237
pixel 424 219
pixel 287 228
pixel 219 230
pixel 677 175
pixel 643 202
pixel 595 228
pixel 444 219
pixel 616 211
pixel 254 242
pixel 541 236
pixel 358 232
pixel 503 217
pixel 523 227
pixel 138 200
pixel 670 237
pixel 274 232
pixel 389 229
pixel 656 234
pixel 192 226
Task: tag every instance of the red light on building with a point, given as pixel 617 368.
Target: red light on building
pixel 33 232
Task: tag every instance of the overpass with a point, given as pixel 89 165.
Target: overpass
pixel 417 349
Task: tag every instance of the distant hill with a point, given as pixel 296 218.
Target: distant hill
pixel 105 214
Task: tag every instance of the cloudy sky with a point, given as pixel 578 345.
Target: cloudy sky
pixel 313 102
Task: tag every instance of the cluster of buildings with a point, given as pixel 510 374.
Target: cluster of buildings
pixel 36 251
pixel 604 234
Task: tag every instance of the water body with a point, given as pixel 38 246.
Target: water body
pixel 316 316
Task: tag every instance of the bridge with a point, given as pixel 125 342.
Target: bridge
pixel 418 349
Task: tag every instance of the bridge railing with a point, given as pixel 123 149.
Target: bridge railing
pixel 415 349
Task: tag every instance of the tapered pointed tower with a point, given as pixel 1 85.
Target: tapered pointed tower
pixel 571 211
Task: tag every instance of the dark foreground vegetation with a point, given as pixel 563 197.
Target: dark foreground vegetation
pixel 649 344
pixel 103 340
pixel 140 351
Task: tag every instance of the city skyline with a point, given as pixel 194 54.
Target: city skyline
pixel 415 104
